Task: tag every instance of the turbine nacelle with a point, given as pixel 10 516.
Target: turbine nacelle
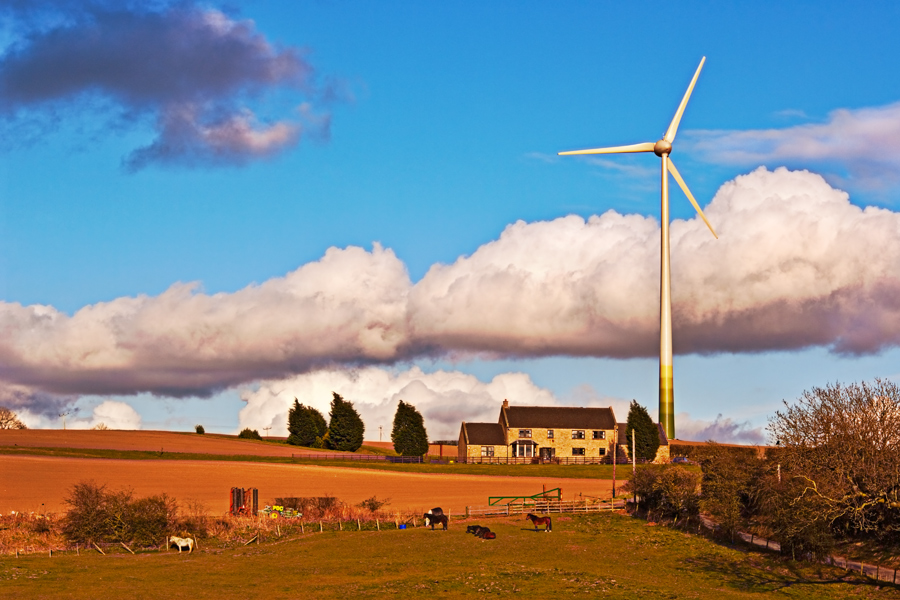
pixel 661 147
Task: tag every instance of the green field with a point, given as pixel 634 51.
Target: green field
pixel 604 555
pixel 623 472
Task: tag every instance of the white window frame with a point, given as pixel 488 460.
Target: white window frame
pixel 487 451
pixel 578 434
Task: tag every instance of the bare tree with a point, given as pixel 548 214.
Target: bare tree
pixel 9 420
pixel 841 446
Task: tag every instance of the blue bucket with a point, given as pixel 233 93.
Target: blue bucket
pixel 403 526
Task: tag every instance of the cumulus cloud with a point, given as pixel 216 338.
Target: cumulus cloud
pixel 111 413
pixel 722 430
pixel 349 307
pixel 862 144
pixel 445 398
pixel 796 266
pixel 191 69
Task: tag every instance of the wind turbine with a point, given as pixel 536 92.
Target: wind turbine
pixel 663 148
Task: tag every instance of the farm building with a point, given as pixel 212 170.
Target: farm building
pixel 532 433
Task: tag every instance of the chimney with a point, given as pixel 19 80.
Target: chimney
pixel 505 403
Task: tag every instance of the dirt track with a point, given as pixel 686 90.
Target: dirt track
pixel 28 481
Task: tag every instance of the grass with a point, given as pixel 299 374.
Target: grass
pixel 623 472
pixel 592 555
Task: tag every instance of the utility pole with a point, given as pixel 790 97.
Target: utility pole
pixel 633 456
pixel 266 429
pixel 379 432
pixel 615 457
pixel 63 415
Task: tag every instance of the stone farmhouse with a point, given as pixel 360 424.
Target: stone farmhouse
pixel 544 433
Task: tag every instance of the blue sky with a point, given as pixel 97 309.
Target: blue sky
pixel 428 128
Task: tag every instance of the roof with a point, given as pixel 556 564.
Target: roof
pixel 623 438
pixel 558 417
pixel 484 434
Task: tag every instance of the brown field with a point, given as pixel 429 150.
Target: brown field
pixel 150 441
pixel 27 482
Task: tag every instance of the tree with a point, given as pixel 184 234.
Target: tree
pixel 731 489
pixel 644 431
pixel 345 427
pixel 840 449
pixel 199 429
pixel 408 434
pixel 9 419
pixel 250 434
pixel 305 425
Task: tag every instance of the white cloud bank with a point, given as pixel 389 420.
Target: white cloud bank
pixel 111 413
pixel 797 265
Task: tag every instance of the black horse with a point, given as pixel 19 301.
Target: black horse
pixel 537 521
pixel 481 532
pixel 433 519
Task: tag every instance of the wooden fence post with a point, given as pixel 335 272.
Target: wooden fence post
pixel 377 525
pixel 301 527
pixel 320 527
pixel 358 524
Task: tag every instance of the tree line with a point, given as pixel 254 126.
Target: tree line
pixel 832 475
pixel 345 429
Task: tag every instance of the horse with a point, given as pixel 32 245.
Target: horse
pixel 182 542
pixel 537 521
pixel 433 519
pixel 481 532
pixel 431 514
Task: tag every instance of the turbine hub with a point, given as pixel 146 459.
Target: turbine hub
pixel 662 147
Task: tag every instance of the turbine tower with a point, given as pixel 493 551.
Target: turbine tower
pixel 663 148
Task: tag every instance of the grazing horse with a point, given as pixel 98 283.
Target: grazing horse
pixel 538 521
pixel 433 519
pixel 182 543
pixel 431 514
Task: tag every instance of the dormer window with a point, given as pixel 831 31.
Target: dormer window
pixel 524 433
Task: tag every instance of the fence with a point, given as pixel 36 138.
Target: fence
pixel 363 457
pixel 537 460
pixel 543 507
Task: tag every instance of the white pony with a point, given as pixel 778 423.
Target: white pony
pixel 182 543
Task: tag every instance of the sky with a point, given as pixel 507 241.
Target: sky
pixel 210 209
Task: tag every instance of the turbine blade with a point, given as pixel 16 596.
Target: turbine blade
pixel 690 196
pixel 673 126
pixel 645 147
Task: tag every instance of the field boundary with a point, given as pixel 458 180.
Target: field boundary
pixel 544 507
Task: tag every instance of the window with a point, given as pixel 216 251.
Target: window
pixel 487 450
pixel 549 434
pixel 599 435
pixel 524 450
pixel 602 451
pixel 578 434
pixel 524 433
pixel 577 451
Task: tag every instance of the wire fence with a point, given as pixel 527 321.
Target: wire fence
pixel 544 507
pixel 360 457
pixel 537 460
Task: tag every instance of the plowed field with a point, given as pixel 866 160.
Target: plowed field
pixel 27 482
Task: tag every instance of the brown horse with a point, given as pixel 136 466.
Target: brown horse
pixel 538 521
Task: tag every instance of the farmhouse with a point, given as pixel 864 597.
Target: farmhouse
pixel 539 432
pixel 532 433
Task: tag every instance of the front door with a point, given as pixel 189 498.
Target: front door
pixel 547 453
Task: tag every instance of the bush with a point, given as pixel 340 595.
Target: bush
pixel 97 515
pixel 250 434
pixel 373 504
pixel 199 429
pixel 669 492
pixel 730 485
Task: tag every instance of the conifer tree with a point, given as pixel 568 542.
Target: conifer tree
pixel 305 424
pixel 644 431
pixel 345 427
pixel 408 434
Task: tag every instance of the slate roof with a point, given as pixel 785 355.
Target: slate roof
pixel 484 434
pixel 559 417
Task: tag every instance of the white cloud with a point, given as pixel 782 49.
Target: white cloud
pixel 111 413
pixel 445 398
pixel 797 265
pixel 720 429
pixel 863 143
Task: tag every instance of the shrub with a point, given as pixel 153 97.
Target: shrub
pixel 730 490
pixel 670 492
pixel 644 431
pixel 86 518
pixel 373 504
pixel 199 429
pixel 250 434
